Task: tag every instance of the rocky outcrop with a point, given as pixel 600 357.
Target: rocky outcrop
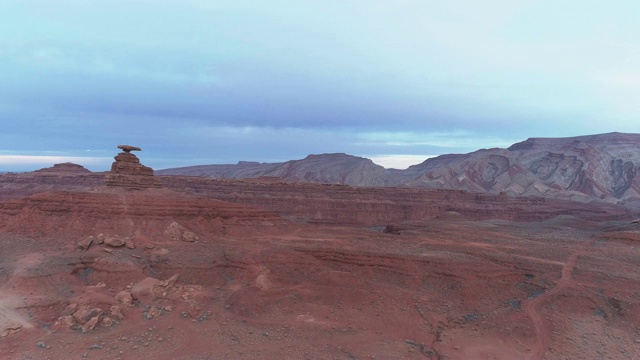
pixel 622 175
pixel 127 171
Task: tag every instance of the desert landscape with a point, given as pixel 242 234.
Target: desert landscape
pixel 319 180
pixel 529 252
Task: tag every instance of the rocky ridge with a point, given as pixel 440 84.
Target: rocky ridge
pixel 580 168
pixel 336 168
pixel 583 168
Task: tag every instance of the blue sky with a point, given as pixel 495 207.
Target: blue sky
pixel 200 82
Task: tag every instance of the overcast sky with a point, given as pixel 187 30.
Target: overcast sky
pixel 207 81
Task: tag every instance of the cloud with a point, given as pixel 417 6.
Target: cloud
pixel 452 140
pixel 226 81
pixel 622 90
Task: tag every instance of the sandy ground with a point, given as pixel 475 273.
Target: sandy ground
pixel 442 289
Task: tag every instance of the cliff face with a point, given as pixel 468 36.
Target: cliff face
pixel 584 168
pixel 149 214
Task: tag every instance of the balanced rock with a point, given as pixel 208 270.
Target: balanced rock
pixel 127 171
pixel 129 148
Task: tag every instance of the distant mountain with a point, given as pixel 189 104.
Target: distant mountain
pixel 581 168
pixel 326 168
pixel 601 166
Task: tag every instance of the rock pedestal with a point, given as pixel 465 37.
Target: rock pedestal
pixel 127 171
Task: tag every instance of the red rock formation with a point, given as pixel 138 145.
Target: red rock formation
pixel 345 205
pixel 153 214
pixel 127 171
pixel 331 204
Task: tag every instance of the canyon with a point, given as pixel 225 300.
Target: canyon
pixel 128 264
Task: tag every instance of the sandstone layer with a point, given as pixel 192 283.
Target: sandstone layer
pixel 149 214
pixel 127 171
pixel 371 206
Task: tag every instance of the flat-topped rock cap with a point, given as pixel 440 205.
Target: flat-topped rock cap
pixel 129 148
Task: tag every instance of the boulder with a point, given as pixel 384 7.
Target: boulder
pixel 106 321
pixel 85 314
pixel 154 312
pixel 128 243
pixel 144 287
pixel 86 243
pixel 179 232
pixel 115 312
pixel 69 321
pixel 70 309
pixel 125 298
pixel 194 310
pixel 114 241
pixel 189 236
pixel 91 324
pixel 169 282
pixel 99 239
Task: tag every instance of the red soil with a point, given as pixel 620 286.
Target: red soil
pixel 451 283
